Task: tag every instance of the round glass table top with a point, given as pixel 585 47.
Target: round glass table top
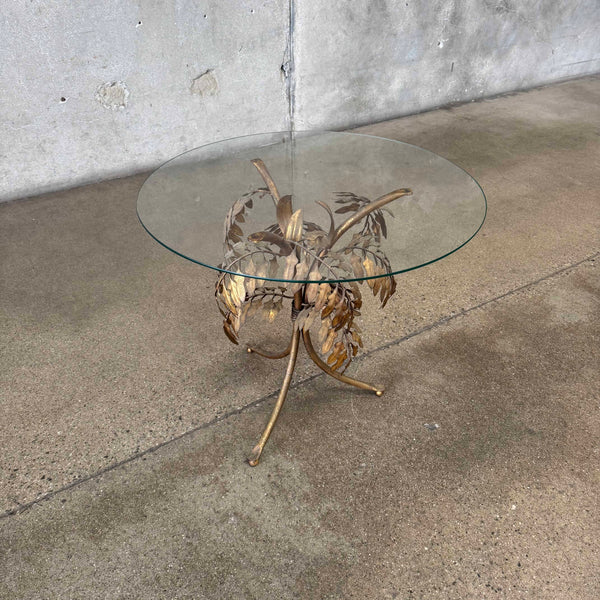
pixel 308 206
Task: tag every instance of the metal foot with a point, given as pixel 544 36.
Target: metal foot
pixel 254 456
pixel 325 367
pixel 283 354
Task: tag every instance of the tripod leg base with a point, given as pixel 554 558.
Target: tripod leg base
pixel 283 354
pixel 378 390
pixel 254 457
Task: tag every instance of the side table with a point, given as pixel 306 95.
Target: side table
pixel 302 219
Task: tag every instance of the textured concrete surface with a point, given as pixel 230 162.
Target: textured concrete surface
pixel 98 90
pixel 363 61
pixel 356 498
pixel 106 354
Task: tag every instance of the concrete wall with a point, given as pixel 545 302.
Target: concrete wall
pixel 371 60
pixel 94 90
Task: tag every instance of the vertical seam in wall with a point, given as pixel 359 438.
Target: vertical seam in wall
pixel 291 70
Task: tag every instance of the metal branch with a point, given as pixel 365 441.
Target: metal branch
pixel 283 354
pixel 257 450
pixel 325 367
pixel 264 173
pixel 368 208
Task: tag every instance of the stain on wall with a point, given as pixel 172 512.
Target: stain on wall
pixel 114 95
pixel 205 84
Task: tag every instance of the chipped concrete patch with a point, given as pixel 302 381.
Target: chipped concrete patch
pixel 205 84
pixel 113 95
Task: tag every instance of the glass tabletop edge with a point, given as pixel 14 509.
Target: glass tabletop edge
pixel 327 280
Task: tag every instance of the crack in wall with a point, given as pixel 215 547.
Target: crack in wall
pixel 288 67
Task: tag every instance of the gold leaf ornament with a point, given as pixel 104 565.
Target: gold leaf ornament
pixel 324 291
pixel 357 266
pixel 290 266
pixel 284 212
pixel 303 253
pixel 237 290
pixel 328 343
pixel 369 266
pixel 312 289
pixel 293 230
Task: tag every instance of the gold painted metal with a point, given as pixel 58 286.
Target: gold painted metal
pixel 294 259
pixel 339 376
pixel 257 450
pixel 369 208
pixel 283 354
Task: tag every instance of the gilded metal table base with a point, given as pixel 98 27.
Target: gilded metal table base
pixel 292 351
pixel 295 259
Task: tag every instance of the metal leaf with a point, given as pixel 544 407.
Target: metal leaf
pixel 227 298
pixel 294 228
pixel 340 318
pixel 312 289
pixel 331 219
pixel 376 286
pixel 250 284
pixel 302 270
pixel 323 330
pixel 328 343
pixel 357 266
pixel 324 290
pixel 340 361
pixel 385 288
pixel 270 309
pixel 237 290
pixel 348 208
pixel 244 313
pixel 343 265
pixel 302 318
pixel 312 315
pixel 290 265
pixel 261 271
pixel 381 220
pixel 235 229
pixel 331 359
pixel 331 300
pixel 229 333
pixel 271 238
pixel 254 307
pixel 284 212
pixel 390 292
pixel 369 266
pixel 316 239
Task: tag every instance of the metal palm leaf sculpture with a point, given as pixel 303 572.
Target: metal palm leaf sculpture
pixel 315 275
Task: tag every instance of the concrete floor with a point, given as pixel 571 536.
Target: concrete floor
pixel 123 432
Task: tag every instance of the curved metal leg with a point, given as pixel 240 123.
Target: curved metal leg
pixel 283 354
pixel 257 450
pixel 325 367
